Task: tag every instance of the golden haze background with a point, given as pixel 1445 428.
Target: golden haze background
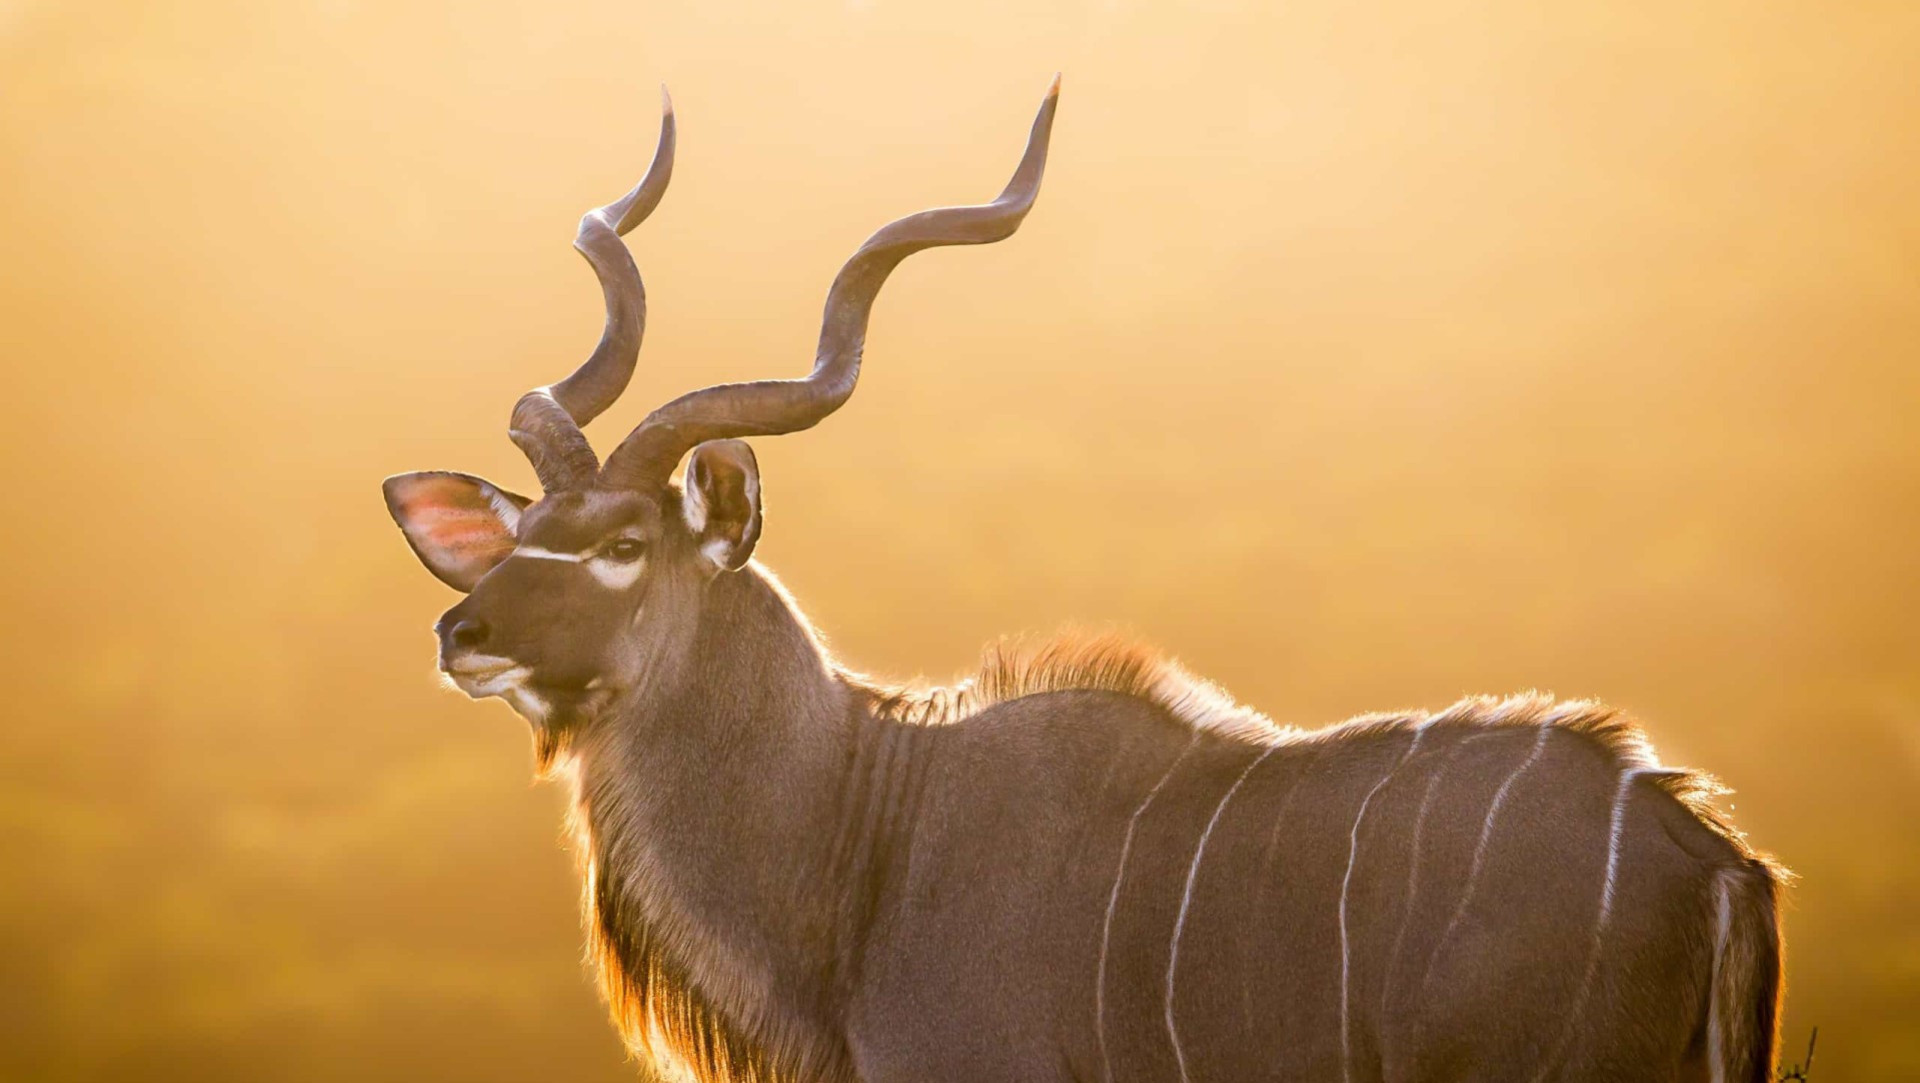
pixel 1365 357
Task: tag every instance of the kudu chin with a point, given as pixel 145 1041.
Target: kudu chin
pixel 1081 864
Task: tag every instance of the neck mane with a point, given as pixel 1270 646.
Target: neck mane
pixel 1016 667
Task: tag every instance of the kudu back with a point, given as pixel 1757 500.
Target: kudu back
pixel 1081 864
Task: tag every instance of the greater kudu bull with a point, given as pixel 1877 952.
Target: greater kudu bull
pixel 1081 864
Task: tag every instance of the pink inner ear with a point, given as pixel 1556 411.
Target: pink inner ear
pixel 461 530
pixel 454 519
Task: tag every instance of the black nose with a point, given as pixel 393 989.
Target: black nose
pixel 463 635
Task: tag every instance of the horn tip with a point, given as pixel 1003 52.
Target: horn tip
pixel 666 100
pixel 1053 88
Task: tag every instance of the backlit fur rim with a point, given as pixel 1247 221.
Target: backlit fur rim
pixel 1110 662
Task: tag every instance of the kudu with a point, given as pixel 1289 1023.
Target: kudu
pixel 1083 863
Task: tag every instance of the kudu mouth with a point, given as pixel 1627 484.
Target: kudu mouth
pixel 483 675
pixel 551 708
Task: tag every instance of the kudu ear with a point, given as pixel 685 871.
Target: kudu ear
pixel 459 526
pixel 722 502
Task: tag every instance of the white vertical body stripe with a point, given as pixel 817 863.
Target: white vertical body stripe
pixel 1616 828
pixel 1263 879
pixel 1346 881
pixel 1480 848
pixel 1413 871
pixel 1186 902
pixel 1722 933
pixel 1113 900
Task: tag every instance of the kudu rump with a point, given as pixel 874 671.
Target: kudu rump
pixel 1083 863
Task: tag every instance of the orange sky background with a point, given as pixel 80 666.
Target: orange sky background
pixel 1364 356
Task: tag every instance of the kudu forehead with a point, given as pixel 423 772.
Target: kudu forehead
pixel 569 522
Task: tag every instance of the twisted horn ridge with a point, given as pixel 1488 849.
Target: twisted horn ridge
pixel 546 421
pixel 647 457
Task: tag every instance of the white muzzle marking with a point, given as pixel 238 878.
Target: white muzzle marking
pixel 483 675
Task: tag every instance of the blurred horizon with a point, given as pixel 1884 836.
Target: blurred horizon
pixel 1361 359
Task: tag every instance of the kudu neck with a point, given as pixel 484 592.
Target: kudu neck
pixel 711 811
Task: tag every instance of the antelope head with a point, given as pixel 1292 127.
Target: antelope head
pixel 576 599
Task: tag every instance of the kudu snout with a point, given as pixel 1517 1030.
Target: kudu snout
pixel 465 634
pixel 462 631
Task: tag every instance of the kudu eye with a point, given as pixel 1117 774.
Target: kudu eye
pixel 626 550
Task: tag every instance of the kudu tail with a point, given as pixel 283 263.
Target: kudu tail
pixel 1743 1007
